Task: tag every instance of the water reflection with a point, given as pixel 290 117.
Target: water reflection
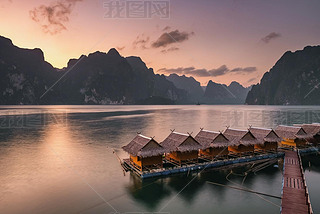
pixel 49 154
pixel 311 164
pixel 152 192
pixel 149 192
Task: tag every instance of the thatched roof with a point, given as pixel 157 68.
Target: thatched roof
pixel 291 132
pixel 265 135
pixel 143 146
pixel 180 142
pixel 211 139
pixel 237 137
pixel 311 129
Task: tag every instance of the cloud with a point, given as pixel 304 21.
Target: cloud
pixel 222 70
pixel 244 70
pixel 270 36
pixel 166 28
pixel 188 70
pixel 252 79
pixel 53 17
pixel 172 37
pixel 121 48
pixel 170 50
pixel 141 41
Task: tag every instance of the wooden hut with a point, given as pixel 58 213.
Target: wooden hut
pixel 292 136
pixel 268 139
pixel 241 141
pixel 313 130
pixel 181 148
pixel 145 153
pixel 214 144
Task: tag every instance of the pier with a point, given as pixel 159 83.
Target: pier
pixel 295 196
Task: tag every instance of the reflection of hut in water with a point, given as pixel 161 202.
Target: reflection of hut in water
pixel 268 139
pixel 149 192
pixel 313 130
pixel 145 153
pixel 214 144
pixel 241 141
pixel 195 187
pixel 292 136
pixel 181 148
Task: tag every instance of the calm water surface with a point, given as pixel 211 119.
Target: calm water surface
pixel 59 159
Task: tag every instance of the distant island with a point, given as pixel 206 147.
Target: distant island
pixel 109 78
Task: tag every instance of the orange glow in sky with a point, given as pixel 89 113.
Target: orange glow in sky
pixel 237 35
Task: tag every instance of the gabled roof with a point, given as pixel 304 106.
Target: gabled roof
pixel 291 132
pixel 144 147
pixel 265 135
pixel 211 139
pixel 310 129
pixel 237 137
pixel 180 142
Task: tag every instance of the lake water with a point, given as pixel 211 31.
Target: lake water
pixel 59 159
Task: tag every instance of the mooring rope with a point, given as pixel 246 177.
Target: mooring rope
pixel 251 190
pixel 244 189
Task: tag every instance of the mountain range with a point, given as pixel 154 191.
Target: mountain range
pixel 213 93
pixel 99 78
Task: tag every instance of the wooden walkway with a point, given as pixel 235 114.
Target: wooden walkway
pixel 295 197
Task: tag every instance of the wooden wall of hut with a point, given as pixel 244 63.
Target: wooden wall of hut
pixel 147 162
pixel 181 157
pixel 241 149
pixel 136 162
pixel 214 152
pixel 293 143
pixel 267 146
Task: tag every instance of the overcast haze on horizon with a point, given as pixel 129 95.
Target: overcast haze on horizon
pixel 214 40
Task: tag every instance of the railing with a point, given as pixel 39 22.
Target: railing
pixel 305 184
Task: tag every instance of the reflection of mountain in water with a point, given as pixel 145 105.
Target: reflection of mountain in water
pixel 12 125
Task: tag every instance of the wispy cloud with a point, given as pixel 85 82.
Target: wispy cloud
pixel 222 70
pixel 170 50
pixel 246 69
pixel 251 80
pixel 120 48
pixel 166 28
pixel 270 36
pixel 175 36
pixel 188 70
pixel 53 17
pixel 141 41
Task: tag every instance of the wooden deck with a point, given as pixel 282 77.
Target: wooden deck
pixel 175 169
pixel 295 197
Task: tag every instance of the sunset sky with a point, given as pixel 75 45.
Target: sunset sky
pixel 219 40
